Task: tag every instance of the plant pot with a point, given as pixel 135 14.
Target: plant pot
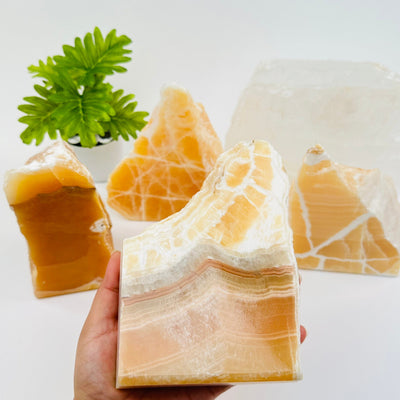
pixel 101 159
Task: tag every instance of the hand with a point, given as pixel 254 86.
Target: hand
pixel 97 347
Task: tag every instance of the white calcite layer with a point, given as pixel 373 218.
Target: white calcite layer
pixel 166 251
pixel 350 108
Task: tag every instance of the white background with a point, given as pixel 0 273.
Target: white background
pixel 210 47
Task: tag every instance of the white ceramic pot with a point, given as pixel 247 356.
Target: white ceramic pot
pixel 100 160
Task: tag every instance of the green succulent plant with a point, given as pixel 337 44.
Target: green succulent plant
pixel 73 98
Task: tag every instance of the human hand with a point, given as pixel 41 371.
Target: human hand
pixel 97 348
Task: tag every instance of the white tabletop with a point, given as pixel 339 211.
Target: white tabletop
pixel 211 47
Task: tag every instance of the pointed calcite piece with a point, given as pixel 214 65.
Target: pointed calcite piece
pixel 350 108
pixel 210 294
pixel 63 220
pixel 343 218
pixel 169 162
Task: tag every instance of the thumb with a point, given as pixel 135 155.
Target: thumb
pixel 104 311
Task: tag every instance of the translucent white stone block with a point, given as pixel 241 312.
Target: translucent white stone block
pixel 350 108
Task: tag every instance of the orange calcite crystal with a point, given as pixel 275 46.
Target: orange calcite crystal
pixel 169 161
pixel 63 220
pixel 210 294
pixel 343 218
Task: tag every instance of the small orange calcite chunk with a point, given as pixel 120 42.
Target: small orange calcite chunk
pixel 63 220
pixel 169 162
pixel 210 294
pixel 344 218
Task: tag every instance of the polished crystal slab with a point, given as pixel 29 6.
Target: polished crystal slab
pixel 210 294
pixel 350 108
pixel 63 219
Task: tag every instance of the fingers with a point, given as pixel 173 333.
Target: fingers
pixel 180 393
pixel 217 390
pixel 303 333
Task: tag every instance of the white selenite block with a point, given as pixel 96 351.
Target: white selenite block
pixel 350 108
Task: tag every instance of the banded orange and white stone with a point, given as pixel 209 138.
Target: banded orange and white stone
pixel 63 219
pixel 210 294
pixel 344 218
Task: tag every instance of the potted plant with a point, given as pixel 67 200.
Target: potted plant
pixel 74 101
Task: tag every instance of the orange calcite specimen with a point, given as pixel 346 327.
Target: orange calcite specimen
pixel 63 220
pixel 169 161
pixel 343 218
pixel 210 294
